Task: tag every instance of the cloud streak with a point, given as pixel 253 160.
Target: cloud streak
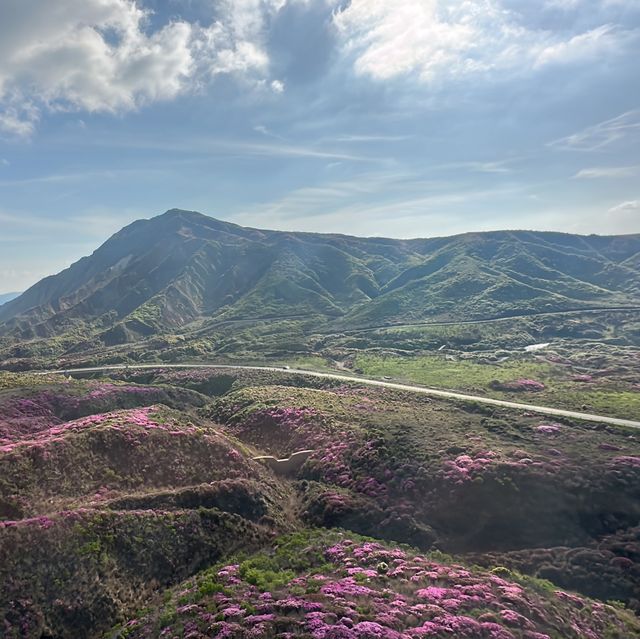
pixel 625 126
pixel 631 206
pixel 596 173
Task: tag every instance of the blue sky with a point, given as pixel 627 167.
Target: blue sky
pixel 406 118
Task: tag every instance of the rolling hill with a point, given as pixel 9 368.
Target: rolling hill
pixel 183 269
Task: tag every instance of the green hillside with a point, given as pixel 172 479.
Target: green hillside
pixel 186 274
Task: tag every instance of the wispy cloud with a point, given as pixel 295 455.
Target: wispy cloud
pixel 236 148
pixel 378 197
pixel 98 224
pixel 368 138
pixel 498 166
pixel 435 41
pixel 623 127
pixel 263 130
pixel 601 41
pixel 607 172
pixel 61 178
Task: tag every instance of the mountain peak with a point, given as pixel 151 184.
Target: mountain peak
pixel 184 214
pixel 173 216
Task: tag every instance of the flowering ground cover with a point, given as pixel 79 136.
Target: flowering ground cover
pixel 336 586
pixel 608 569
pixel 94 458
pixel 25 410
pixel 113 490
pixel 482 478
pixel 460 477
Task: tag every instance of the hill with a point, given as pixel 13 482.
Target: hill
pixel 183 273
pixel 138 502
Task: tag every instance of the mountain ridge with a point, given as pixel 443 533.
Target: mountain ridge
pixel 159 275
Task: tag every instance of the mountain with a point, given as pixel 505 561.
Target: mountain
pixel 184 269
pixel 7 297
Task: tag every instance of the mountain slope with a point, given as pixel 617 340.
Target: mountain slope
pixel 157 276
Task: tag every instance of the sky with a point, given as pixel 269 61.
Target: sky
pixel 403 118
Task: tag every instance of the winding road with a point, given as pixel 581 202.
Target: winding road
pixel 433 392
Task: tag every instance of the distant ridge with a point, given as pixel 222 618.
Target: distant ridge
pixel 7 297
pixel 157 276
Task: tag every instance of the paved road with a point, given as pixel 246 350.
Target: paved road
pixel 492 320
pixel 543 410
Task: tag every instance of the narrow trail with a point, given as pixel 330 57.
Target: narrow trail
pixel 433 392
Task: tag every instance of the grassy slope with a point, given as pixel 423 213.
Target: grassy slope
pixel 604 396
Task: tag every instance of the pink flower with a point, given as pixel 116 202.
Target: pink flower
pixel 433 592
pixel 549 429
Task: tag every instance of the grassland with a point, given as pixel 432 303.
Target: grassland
pixel 605 397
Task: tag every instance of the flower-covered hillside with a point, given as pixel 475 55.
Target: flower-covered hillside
pixel 99 512
pixel 99 457
pixel 25 410
pixel 482 478
pixel 607 568
pixel 457 476
pixel 113 491
pixel 333 586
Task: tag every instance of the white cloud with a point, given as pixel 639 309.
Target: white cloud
pixel 624 126
pixel 374 137
pixel 18 120
pixel 223 147
pixel 102 55
pixel 607 172
pixel 631 206
pixel 602 40
pixel 263 130
pixel 562 4
pixel 435 40
pixel 570 5
pixel 92 55
pixel 623 218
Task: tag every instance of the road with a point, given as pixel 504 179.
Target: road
pixel 212 326
pixel 492 320
pixel 433 392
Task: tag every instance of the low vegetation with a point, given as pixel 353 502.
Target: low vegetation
pixel 134 485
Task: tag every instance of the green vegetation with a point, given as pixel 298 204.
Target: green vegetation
pixel 356 588
pixel 611 395
pixel 439 372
